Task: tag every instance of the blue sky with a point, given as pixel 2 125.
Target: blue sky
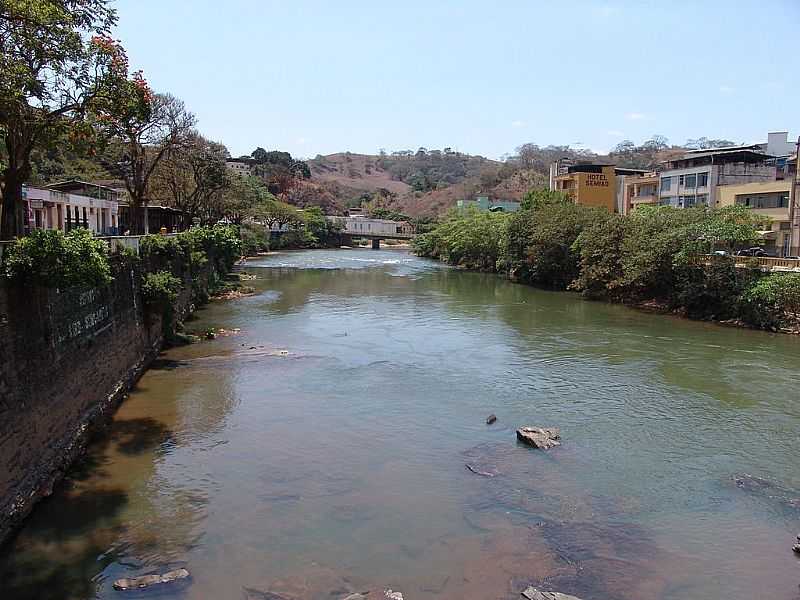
pixel 483 77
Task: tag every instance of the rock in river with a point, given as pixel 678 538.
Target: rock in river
pixel 491 419
pixel 145 581
pixel 390 595
pixel 540 437
pixel 533 594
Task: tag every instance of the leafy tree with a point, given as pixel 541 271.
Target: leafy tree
pixel 773 301
pixel 192 177
pixel 539 247
pixel 539 197
pixel 469 238
pixel 151 127
pixel 56 61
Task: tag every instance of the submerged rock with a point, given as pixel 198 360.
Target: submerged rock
pixel 390 595
pixel 531 593
pixel 540 437
pixel 145 581
pixel 491 419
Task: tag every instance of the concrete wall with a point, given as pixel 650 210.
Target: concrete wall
pixel 67 359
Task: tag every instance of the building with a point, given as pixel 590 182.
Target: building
pixel 695 178
pixel 484 204
pixel 592 184
pixel 639 190
pixel 778 144
pixel 71 204
pixel 794 202
pixel 241 166
pixel 768 198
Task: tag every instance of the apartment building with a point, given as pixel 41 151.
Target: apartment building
pixel 639 190
pixel 768 198
pixel 695 178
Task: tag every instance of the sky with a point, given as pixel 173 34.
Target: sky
pixel 483 77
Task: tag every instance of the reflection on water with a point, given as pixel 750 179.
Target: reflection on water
pixel 339 465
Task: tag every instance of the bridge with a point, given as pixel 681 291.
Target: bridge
pixel 374 229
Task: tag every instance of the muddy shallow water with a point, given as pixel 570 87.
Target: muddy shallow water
pixel 321 450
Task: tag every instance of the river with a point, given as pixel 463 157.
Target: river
pixel 321 449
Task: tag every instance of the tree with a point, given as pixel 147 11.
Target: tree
pixel 540 197
pixel 192 176
pixel 143 135
pixel 55 62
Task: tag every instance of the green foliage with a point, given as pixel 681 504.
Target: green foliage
pixel 773 301
pixel 539 247
pixel 540 197
pixel 54 259
pixel 255 238
pixel 426 170
pixel 468 238
pixel 161 289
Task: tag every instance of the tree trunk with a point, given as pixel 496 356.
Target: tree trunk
pixel 12 213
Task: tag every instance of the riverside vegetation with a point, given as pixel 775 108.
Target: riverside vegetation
pixel 195 261
pixel 647 258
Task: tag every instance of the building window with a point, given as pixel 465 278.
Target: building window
pixel 702 179
pixel 702 199
pixel 680 180
pixel 690 181
pixel 666 184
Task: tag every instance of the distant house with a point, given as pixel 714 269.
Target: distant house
pixel 241 166
pixel 484 204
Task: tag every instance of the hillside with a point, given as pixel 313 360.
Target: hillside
pixel 425 182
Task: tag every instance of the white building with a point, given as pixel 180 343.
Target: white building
pixel 57 207
pixel 240 166
pixel 694 178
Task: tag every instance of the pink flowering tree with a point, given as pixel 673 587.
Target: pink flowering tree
pixel 58 65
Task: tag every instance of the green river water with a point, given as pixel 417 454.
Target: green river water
pixel 321 449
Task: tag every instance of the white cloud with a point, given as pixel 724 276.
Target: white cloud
pixel 518 124
pixel 636 116
pixel 726 89
pixel 615 133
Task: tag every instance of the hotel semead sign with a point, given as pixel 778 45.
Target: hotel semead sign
pixel 596 180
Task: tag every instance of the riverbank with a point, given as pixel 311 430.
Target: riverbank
pixel 71 354
pixel 646 259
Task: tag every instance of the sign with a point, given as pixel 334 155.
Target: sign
pixel 36 203
pixel 596 180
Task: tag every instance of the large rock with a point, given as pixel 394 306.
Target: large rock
pixel 533 594
pixel 145 581
pixel 540 437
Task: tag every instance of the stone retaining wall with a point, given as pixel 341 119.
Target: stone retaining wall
pixel 67 359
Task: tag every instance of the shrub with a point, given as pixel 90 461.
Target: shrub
pixel 469 238
pixel 255 238
pixel 53 258
pixel 772 301
pixel 161 289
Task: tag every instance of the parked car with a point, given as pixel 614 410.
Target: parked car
pixel 751 252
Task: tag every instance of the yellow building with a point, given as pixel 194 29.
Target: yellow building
pixel 590 185
pixel 769 198
pixel 640 190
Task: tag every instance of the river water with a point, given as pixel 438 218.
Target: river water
pixel 321 449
